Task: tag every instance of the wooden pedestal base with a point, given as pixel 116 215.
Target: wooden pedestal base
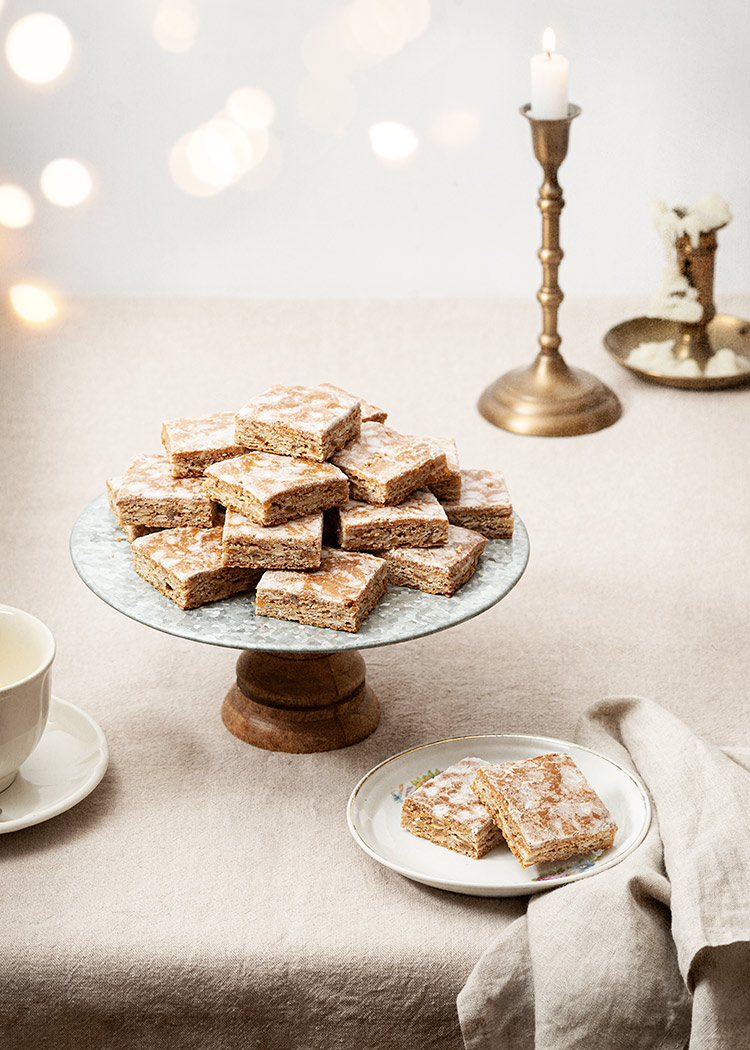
pixel 300 703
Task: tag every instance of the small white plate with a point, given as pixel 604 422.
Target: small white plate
pixel 66 766
pixel 374 817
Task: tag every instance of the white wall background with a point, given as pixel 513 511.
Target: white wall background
pixel 665 92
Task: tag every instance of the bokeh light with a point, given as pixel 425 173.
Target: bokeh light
pixel 393 141
pixel 418 16
pixel 270 163
pixel 259 144
pixel 380 27
pixel 66 182
pixel 175 25
pixel 16 207
pixel 39 48
pixel 32 304
pixel 182 173
pixel 252 108
pixel 227 148
pixel 209 158
pixel 219 152
pixel 362 34
pixel 455 128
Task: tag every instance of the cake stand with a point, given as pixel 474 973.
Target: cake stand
pixel 298 689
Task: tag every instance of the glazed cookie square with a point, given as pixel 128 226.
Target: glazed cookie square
pixel 185 565
pixel 294 544
pixel 436 570
pixel 445 810
pixel 131 531
pixel 370 413
pixel 484 504
pixel 545 808
pixel 340 594
pixel 308 422
pixel 271 489
pixel 147 494
pixel 419 521
pixel 448 485
pixel 384 466
pixel 193 443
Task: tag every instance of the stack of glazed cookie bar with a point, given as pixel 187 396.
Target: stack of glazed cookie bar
pixel 542 808
pixel 308 497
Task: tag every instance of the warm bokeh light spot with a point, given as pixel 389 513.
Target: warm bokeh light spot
pixel 361 34
pixel 380 27
pixel 219 152
pixel 182 172
pixel 393 141
pixel 227 148
pixel 455 128
pixel 16 207
pixel 66 182
pixel 32 304
pixel 418 16
pixel 39 48
pixel 260 144
pixel 209 158
pixel 175 26
pixel 268 161
pixel 252 108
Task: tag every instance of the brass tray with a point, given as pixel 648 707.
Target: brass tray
pixel 722 331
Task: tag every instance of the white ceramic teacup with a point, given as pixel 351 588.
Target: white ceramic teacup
pixel 27 650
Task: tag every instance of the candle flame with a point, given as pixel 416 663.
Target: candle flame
pixel 548 40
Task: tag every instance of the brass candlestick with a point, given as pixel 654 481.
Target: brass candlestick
pixel 548 398
pixel 696 264
pixel 698 341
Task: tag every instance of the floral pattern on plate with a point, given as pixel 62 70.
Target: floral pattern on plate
pixel 582 864
pixel 402 792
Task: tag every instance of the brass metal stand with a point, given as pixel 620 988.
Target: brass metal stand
pixel 696 264
pixel 691 340
pixel 548 398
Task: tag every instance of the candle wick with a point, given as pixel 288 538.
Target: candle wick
pixel 547 56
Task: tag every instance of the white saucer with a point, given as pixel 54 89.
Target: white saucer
pixel 66 766
pixel 374 818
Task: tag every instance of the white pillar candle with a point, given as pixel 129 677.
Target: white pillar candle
pixel 549 81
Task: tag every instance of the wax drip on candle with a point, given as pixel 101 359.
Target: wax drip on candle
pixel 660 357
pixel 675 299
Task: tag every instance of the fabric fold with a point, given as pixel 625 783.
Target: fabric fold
pixel 655 951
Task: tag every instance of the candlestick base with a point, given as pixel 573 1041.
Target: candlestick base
pixel 549 399
pixel 699 342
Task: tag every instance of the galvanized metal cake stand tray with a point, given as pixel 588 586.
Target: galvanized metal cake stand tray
pixel 298 689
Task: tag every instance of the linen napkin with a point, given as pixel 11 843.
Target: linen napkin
pixel 654 952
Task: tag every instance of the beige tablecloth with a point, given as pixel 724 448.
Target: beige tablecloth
pixel 654 952
pixel 209 894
